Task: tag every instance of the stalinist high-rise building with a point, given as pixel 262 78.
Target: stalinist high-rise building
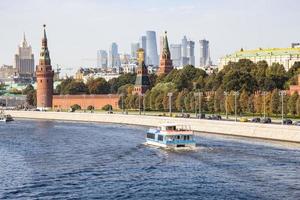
pixel 24 59
pixel 44 76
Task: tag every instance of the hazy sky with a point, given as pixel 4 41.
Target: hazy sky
pixel 78 28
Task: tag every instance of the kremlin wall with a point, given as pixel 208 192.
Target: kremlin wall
pixel 97 101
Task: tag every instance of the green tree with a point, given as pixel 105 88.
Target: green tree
pixel 275 102
pixel 107 107
pixel 210 103
pixel 28 89
pixel 218 101
pixel 244 101
pixel 31 98
pixel 298 107
pixel 258 103
pixel 292 104
pixel 98 86
pixel 277 74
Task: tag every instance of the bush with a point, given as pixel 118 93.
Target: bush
pixel 90 107
pixel 76 107
pixel 107 107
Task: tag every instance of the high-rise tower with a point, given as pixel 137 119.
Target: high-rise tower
pixel 175 50
pixel 102 59
pixel 151 52
pixel 165 65
pixel 44 77
pixel 191 52
pixel 114 57
pixel 142 82
pixel 24 59
pixel 204 53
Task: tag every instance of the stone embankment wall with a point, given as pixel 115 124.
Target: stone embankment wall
pixel 253 130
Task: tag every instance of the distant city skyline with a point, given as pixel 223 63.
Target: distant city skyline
pixel 77 29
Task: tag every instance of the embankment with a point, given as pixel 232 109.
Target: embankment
pixel 264 131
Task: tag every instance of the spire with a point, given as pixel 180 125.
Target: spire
pixel 45 36
pixel 44 54
pixel 24 43
pixel 166 51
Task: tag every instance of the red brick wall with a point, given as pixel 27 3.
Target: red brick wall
pixel 98 101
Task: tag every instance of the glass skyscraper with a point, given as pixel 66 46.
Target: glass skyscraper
pixel 114 58
pixel 204 53
pixel 102 59
pixel 151 49
pixel 191 52
pixel 134 48
pixel 175 50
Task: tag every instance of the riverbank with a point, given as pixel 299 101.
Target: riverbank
pixel 252 130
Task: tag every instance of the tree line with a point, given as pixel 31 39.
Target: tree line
pixel 258 84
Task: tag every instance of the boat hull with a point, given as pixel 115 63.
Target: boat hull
pixel 189 146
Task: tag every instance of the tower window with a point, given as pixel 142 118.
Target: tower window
pixel 41 80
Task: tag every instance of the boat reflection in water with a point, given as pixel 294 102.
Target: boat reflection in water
pixel 171 136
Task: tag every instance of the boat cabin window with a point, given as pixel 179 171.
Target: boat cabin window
pixel 186 137
pixel 178 137
pixel 160 138
pixel 171 128
pixel 151 136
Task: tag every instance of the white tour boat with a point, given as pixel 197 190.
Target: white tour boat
pixel 5 117
pixel 171 136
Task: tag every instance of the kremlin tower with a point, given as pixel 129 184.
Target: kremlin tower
pixel 142 82
pixel 44 76
pixel 165 65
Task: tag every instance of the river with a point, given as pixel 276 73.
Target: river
pixel 67 160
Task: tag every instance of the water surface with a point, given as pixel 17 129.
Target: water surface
pixel 66 160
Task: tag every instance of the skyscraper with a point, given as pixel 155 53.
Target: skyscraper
pixel 143 43
pixel 204 53
pixel 191 52
pixel 44 77
pixel 165 64
pixel 114 58
pixel 184 43
pixel 134 48
pixel 24 59
pixel 102 59
pixel 175 50
pixel 184 58
pixel 151 46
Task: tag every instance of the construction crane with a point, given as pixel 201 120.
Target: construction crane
pixel 58 71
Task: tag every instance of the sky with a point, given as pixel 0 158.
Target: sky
pixel 76 29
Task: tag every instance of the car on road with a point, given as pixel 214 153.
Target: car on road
pixel 287 122
pixel 297 123
pixel 244 119
pixel 183 115
pixel 266 120
pixel 255 120
pixel 201 116
pixel 215 117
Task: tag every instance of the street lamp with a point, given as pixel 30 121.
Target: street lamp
pixel 282 94
pixel 226 104
pixel 170 94
pixel 144 106
pixel 122 99
pixel 199 95
pixel 264 93
pixel 110 107
pixel 140 104
pixel 235 104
